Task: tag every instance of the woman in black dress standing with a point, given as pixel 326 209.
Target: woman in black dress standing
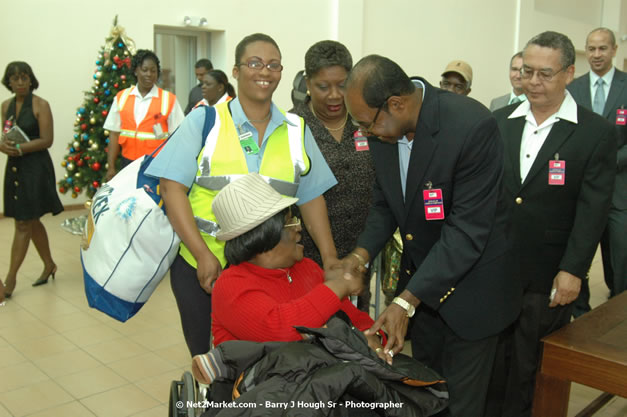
pixel 327 64
pixel 29 184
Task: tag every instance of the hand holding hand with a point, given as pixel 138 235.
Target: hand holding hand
pixel 566 287
pixel 7 147
pixel 349 280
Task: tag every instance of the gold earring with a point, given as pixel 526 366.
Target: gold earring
pixel 308 93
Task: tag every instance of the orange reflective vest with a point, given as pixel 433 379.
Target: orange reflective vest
pixel 139 140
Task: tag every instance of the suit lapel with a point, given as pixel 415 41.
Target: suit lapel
pixel 616 89
pixel 585 91
pixel 421 153
pixel 512 135
pixel 558 135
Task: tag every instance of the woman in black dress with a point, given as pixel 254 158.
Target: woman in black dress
pixel 327 64
pixel 29 184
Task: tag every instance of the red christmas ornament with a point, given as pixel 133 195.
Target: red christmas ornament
pixel 79 162
pixel 70 158
pixel 96 166
pixel 62 190
pixel 104 113
pixel 96 100
pixel 116 85
pixel 84 126
pixel 77 189
pixel 96 184
pixel 123 77
pixel 86 158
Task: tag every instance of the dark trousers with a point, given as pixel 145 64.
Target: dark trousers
pixel 466 365
pixel 536 320
pixel 124 162
pixel 194 306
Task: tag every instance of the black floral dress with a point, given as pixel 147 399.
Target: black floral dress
pixel 347 202
pixel 29 185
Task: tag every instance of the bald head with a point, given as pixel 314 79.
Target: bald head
pixel 378 78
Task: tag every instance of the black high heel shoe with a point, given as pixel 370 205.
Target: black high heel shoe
pixel 44 279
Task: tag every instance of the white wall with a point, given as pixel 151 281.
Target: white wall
pixel 61 38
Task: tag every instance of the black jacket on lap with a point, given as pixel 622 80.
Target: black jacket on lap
pixel 332 373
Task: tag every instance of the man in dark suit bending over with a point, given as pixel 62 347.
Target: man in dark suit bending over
pixel 604 91
pixel 438 159
pixel 560 162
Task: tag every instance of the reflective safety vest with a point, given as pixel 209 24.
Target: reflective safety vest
pixel 222 160
pixel 139 140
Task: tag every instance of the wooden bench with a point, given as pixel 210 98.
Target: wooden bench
pixel 591 351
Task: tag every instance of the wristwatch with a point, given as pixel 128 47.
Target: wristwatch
pixel 405 305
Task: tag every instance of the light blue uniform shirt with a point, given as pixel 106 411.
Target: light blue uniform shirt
pixel 178 160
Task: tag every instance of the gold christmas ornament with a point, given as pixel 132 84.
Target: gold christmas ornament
pixel 92 120
pixel 66 176
pixel 74 195
pixel 98 74
pixel 94 147
pixel 70 167
pixel 63 164
pixel 97 82
pixel 106 133
pixel 77 175
pixel 76 144
pixel 88 204
pixel 91 142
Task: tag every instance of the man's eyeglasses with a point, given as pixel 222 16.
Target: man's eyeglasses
pixel 546 74
pixel 362 126
pixel 294 221
pixel 257 65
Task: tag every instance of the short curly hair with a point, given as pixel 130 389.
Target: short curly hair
pixel 141 56
pixel 16 68
pixel 326 54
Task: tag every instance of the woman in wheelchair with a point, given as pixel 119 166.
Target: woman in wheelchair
pixel 269 286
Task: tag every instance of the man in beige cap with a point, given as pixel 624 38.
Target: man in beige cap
pixel 457 78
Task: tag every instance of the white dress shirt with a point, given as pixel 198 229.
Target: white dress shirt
pixel 114 123
pixel 533 136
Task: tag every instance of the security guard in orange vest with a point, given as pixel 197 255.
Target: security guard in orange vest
pixel 142 116
pixel 247 134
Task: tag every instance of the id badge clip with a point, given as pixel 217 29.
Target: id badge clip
pixel 361 142
pixel 246 141
pixel 557 171
pixel 621 117
pixel 434 205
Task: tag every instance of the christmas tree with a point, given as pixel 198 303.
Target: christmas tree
pixel 86 160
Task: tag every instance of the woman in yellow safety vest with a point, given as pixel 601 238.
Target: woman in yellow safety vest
pixel 141 116
pixel 247 134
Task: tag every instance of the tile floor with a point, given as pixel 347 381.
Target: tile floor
pixel 59 358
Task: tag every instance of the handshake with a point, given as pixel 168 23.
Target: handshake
pixel 346 276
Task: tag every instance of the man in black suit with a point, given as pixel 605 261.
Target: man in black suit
pixel 610 103
pixel 202 67
pixel 560 160
pixel 438 159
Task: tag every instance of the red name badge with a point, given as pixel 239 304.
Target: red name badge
pixel 434 207
pixel 361 142
pixel 557 172
pixel 621 117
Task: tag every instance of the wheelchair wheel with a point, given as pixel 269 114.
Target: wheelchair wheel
pixel 182 394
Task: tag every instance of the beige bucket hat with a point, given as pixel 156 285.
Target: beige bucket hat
pixel 246 203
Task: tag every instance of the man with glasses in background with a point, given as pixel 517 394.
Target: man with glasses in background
pixel 604 91
pixel 438 161
pixel 560 164
pixel 457 78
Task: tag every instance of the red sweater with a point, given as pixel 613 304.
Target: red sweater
pixel 258 304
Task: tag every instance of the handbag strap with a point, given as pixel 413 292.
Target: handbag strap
pixel 205 132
